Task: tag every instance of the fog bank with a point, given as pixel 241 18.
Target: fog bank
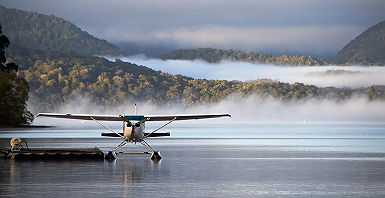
pixel 251 109
pixel 323 76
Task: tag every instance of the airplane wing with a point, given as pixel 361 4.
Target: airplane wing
pixel 131 117
pixel 183 117
pixel 84 116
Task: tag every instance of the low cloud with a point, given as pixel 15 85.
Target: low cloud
pixel 337 76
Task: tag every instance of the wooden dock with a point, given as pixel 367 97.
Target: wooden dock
pixel 53 154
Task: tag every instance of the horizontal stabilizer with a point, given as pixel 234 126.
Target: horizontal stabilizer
pixel 157 134
pixel 145 134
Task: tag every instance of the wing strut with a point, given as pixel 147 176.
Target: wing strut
pixel 120 145
pixel 160 127
pixel 106 127
pixel 147 146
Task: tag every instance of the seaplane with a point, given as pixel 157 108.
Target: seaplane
pixel 133 127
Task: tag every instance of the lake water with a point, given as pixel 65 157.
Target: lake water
pixel 209 160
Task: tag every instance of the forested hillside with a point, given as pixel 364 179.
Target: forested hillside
pixel 56 77
pixel 47 32
pixel 216 55
pixel 367 49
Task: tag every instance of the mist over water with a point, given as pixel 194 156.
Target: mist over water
pixel 251 109
pixel 322 76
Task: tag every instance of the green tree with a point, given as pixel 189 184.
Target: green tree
pixel 13 91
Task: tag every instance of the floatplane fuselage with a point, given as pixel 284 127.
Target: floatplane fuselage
pixel 133 132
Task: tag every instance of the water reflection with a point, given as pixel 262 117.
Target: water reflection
pixel 101 178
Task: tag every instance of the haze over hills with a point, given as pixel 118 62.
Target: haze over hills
pixel 47 32
pixel 366 49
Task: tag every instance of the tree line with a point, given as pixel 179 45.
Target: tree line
pixel 212 55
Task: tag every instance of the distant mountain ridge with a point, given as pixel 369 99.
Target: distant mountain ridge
pixel 366 49
pixel 212 55
pixel 48 32
pixel 55 78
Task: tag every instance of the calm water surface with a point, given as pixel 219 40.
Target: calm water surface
pixel 208 161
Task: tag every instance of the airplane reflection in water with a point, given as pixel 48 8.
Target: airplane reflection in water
pixel 97 176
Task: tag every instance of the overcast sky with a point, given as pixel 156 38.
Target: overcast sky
pixel 283 26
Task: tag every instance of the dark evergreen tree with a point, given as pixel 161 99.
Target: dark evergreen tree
pixel 13 91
